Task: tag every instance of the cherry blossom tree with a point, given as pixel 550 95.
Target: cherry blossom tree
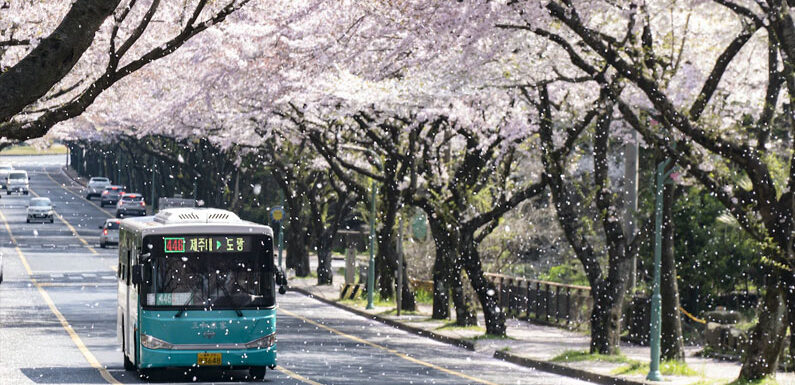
pixel 49 79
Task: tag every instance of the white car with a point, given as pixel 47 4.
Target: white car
pixel 40 209
pixel 110 233
pixel 4 171
pixel 96 186
pixel 18 181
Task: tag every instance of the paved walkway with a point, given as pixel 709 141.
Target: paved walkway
pixel 539 342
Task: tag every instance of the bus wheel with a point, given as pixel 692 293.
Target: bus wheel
pixel 128 365
pixel 257 373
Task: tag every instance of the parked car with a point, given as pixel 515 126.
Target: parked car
pixel 96 185
pixel 18 181
pixel 40 209
pixel 110 195
pixel 130 204
pixel 4 171
pixel 110 233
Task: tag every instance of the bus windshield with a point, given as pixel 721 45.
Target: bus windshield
pixel 208 280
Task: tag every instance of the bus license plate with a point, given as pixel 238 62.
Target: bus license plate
pixel 208 359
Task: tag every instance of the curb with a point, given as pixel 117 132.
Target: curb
pixel 397 325
pixel 564 370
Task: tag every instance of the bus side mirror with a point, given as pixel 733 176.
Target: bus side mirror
pixel 137 274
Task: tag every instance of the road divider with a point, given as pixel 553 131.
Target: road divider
pixel 92 360
pixel 386 349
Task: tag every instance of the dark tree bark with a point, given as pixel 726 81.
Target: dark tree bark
pixel 766 339
pixel 34 75
pixel 487 293
pixel 672 344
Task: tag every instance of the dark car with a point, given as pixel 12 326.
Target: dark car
pixel 130 204
pixel 110 195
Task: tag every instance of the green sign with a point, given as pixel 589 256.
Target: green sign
pixel 419 227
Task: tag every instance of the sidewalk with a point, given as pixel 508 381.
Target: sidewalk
pixel 530 344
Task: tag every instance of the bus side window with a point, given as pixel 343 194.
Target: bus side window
pixel 128 268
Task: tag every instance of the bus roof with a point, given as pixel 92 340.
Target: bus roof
pixel 193 220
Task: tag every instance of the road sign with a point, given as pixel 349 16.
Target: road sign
pixel 277 213
pixel 419 227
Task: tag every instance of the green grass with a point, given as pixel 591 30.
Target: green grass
pixel 402 312
pixel 55 149
pixel 581 355
pixel 490 337
pixel 361 301
pixel 667 368
pixel 311 275
pixel 453 326
pixel 423 296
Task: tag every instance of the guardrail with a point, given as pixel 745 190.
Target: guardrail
pixel 538 301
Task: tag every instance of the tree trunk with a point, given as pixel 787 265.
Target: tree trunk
pixel 324 273
pixel 465 314
pixel 445 251
pixel 672 344
pixel 297 254
pixel 766 339
pixel 386 258
pixel 487 293
pixel 409 303
pixel 606 318
pixel 441 290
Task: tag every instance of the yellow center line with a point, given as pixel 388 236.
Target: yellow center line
pixel 296 376
pixel 109 214
pixel 69 226
pixel 92 360
pixel 389 350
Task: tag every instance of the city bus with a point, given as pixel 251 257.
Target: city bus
pixel 196 289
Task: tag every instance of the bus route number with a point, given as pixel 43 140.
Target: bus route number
pixel 174 245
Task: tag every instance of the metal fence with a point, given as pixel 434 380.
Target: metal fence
pixel 543 301
pixel 538 301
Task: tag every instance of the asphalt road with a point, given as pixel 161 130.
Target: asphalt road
pixel 58 315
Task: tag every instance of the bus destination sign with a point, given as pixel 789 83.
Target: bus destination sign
pixel 207 244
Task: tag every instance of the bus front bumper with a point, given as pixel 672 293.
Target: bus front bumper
pixel 238 358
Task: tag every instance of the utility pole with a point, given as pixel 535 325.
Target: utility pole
pixel 281 231
pixel 399 274
pixel 154 198
pixel 371 270
pixel 661 177
pixel 631 199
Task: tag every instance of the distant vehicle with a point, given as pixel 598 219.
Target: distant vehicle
pixel 130 204
pixel 110 233
pixel 170 203
pixel 96 185
pixel 4 171
pixel 196 288
pixel 18 181
pixel 40 209
pixel 110 195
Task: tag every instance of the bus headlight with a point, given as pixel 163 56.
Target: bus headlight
pixel 262 343
pixel 154 343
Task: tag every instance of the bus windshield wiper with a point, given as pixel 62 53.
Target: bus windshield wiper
pixel 185 305
pixel 231 300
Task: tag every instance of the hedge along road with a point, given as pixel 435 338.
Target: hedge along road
pixel 58 317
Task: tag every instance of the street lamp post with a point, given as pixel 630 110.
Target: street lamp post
pixel 661 177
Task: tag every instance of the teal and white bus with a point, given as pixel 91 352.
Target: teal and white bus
pixel 196 288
